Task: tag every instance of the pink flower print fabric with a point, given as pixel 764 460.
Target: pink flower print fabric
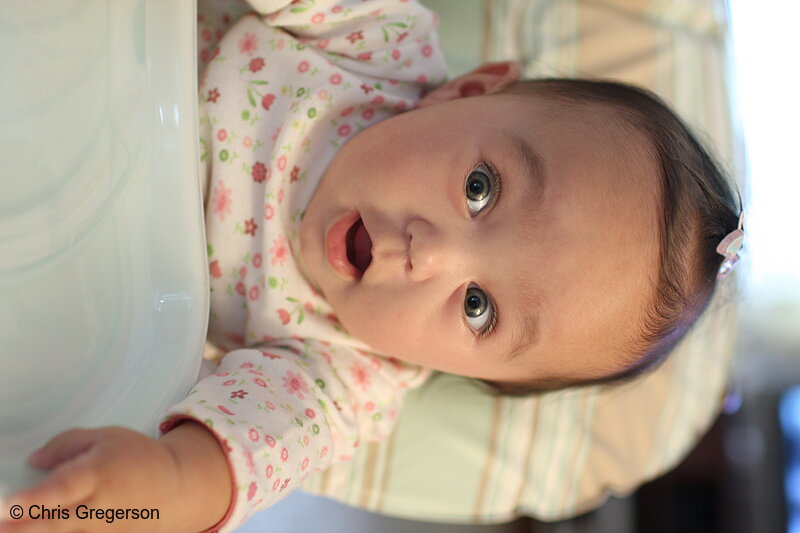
pixel 222 200
pixel 284 85
pixel 281 417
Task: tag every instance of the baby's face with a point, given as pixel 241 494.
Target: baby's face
pixel 504 238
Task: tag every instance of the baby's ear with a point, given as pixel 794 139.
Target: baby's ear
pixel 486 79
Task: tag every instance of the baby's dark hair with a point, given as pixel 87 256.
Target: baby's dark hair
pixel 698 209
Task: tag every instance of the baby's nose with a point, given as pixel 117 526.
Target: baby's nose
pixel 431 252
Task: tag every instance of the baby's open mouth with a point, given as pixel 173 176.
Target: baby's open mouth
pixel 359 246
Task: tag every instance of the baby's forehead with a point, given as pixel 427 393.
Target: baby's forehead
pixel 581 111
pixel 604 137
pixel 594 234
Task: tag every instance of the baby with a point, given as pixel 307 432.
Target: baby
pixel 367 224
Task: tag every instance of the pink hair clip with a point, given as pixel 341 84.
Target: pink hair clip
pixel 730 246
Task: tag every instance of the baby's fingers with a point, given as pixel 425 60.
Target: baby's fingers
pixel 70 483
pixel 62 447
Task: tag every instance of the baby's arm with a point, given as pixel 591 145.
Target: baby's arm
pixel 290 408
pixel 184 475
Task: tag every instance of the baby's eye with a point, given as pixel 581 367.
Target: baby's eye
pixel 481 187
pixel 478 310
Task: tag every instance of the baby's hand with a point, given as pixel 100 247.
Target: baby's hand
pixel 109 469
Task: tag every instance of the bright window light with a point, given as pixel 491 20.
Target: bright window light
pixel 766 41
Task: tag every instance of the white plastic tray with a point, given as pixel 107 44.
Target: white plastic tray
pixel 103 278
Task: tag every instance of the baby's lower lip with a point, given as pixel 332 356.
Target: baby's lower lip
pixel 336 246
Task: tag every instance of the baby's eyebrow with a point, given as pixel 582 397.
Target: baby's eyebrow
pixel 531 162
pixel 525 328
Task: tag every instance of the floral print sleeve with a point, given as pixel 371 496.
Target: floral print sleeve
pixel 361 35
pixel 285 85
pixel 285 410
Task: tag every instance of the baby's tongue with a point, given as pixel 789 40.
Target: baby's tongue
pixel 362 248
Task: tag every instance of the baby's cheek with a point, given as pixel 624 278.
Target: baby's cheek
pixel 388 332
